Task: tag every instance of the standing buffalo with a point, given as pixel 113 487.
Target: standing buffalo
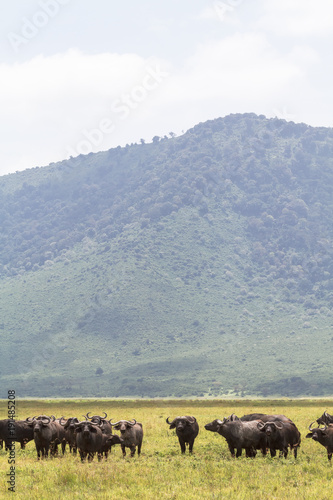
pixel 239 435
pixel 97 419
pixel 187 429
pixel 46 432
pixel 15 430
pixel 280 435
pixel 323 436
pixel 89 439
pixel 325 419
pixel 70 436
pixel 131 434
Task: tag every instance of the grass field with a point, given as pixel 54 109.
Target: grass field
pixel 161 471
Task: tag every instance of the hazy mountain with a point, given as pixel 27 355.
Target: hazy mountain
pixel 194 265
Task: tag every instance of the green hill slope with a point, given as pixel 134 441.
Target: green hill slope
pixel 196 265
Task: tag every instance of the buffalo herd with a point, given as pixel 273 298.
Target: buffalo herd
pixel 94 435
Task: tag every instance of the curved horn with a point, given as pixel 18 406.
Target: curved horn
pixel 193 420
pixel 46 420
pixel 60 421
pixel 87 415
pixel 311 425
pixel 131 423
pixel 30 419
pixel 167 421
pixel 53 418
pixel 105 414
pixel 277 426
pixel 261 425
pixel 116 423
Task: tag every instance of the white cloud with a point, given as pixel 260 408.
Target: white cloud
pixel 297 17
pixel 50 104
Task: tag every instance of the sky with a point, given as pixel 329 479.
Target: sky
pixel 79 75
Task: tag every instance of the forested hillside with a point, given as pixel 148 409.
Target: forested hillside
pixel 191 266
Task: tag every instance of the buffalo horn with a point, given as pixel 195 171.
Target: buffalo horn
pixel 311 425
pixel 60 421
pixel 46 420
pixel 260 425
pixel 192 420
pixel 131 423
pixel 30 419
pixel 116 423
pixel 167 421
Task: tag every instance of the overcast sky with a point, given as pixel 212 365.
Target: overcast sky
pixel 81 75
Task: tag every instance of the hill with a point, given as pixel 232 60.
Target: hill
pixel 198 265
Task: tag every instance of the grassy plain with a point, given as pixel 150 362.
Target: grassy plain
pixel 161 471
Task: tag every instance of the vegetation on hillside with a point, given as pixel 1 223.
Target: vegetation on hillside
pixel 170 268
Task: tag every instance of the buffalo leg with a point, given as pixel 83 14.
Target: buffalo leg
pixel 123 450
pixel 239 452
pixel 329 455
pixel 182 445
pixel 190 446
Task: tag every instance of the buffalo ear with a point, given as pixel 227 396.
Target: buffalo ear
pixel 309 435
pixel 93 429
pixel 172 426
pixel 78 429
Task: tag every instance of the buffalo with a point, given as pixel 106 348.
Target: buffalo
pixel 323 436
pixel 70 436
pixel 15 430
pixel 325 419
pixel 131 434
pixel 46 433
pixel 239 435
pixel 97 419
pixel 264 418
pixel 187 429
pixel 107 443
pixel 89 439
pixel 280 435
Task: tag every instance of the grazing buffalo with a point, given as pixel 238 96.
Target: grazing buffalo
pixel 70 436
pixel 325 419
pixel 131 434
pixel 15 430
pixel 239 435
pixel 323 436
pixel 187 429
pixel 46 432
pixel 89 439
pixel 280 435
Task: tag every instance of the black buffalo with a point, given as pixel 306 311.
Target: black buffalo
pixel 89 439
pixel 325 419
pixel 15 430
pixel 97 419
pixel 280 435
pixel 239 435
pixel 107 443
pixel 264 418
pixel 323 436
pixel 46 433
pixel 187 429
pixel 70 435
pixel 131 434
